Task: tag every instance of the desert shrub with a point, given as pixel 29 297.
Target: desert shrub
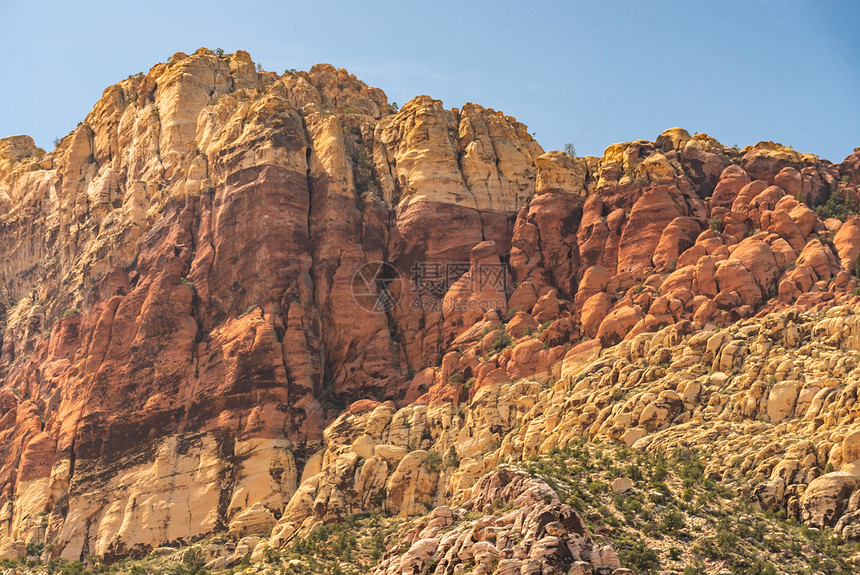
pixel 433 461
pixel 836 206
pixel 673 521
pixel 502 341
pixel 716 225
pixel 641 558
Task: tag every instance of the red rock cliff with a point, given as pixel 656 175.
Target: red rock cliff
pixel 178 280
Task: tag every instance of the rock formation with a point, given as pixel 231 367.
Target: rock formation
pixel 188 349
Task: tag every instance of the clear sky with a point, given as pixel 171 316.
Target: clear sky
pixel 593 73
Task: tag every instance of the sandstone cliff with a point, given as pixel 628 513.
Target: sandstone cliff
pixel 184 352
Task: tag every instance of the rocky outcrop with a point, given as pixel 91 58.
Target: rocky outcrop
pixel 233 300
pixel 539 534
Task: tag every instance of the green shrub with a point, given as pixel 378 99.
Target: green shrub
pixel 35 549
pixel 512 312
pixel 641 558
pixel 433 461
pixel 452 460
pixel 836 206
pixel 673 521
pixel 192 560
pixel 502 341
pixel 362 169
pixel 716 225
pixel 856 270
pixel 659 471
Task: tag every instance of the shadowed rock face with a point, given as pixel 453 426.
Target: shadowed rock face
pixel 180 327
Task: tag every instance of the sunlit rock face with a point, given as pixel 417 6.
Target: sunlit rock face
pixel 186 348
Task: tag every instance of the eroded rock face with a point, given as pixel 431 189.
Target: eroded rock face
pixel 184 317
pixel 826 498
pixel 207 220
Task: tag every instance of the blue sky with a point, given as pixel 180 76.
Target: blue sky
pixel 742 72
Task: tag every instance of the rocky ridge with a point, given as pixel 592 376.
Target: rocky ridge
pixel 183 354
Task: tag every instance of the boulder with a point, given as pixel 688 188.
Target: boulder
pixel 731 181
pixel 780 402
pixel 789 179
pixel 622 485
pixel 733 276
pixel 617 324
pixel 255 520
pixel 825 499
pixel 757 257
pixel 676 238
pixel 521 324
pixel 651 214
pixel 847 243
